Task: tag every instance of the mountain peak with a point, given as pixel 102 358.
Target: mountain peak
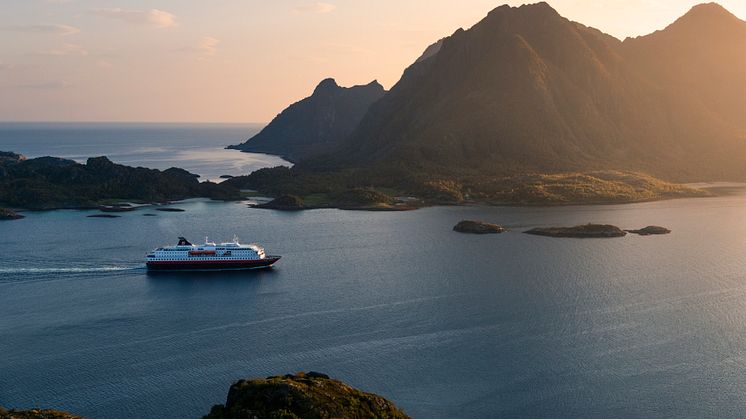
pixel 328 84
pixel 707 14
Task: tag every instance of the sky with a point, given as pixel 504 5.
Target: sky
pixel 238 60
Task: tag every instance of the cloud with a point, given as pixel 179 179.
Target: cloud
pixel 208 46
pixel 318 8
pixel 47 85
pixel 62 30
pixel 205 48
pixel 68 50
pixel 153 17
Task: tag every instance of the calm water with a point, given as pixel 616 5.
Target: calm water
pixel 198 148
pixel 446 325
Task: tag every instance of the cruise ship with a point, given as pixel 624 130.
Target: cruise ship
pixel 209 256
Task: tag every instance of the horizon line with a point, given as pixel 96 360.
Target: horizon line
pixel 136 122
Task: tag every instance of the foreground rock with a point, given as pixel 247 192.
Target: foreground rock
pixel 478 227
pixel 6 214
pixel 650 230
pixel 586 231
pixel 103 216
pixel 304 395
pixel 36 414
pixel 284 203
pixel 170 209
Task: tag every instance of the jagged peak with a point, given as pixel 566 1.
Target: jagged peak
pixel 375 84
pixel 540 7
pixel 327 84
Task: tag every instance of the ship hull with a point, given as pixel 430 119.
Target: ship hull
pixel 210 265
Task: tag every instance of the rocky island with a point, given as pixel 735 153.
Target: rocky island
pixel 304 395
pixel 7 214
pixel 284 203
pixel 585 231
pixel 478 227
pixel 50 183
pixel 650 231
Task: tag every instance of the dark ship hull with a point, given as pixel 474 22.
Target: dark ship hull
pixel 212 265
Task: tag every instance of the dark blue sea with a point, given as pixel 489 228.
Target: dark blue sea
pixel 445 325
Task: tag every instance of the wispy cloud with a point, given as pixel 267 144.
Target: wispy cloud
pixel 68 50
pixel 152 17
pixel 205 48
pixel 318 8
pixel 42 29
pixel 47 85
pixel 208 46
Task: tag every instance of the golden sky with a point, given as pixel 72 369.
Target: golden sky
pixel 237 60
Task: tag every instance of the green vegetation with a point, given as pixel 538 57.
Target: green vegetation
pixel 48 183
pixel 360 188
pixel 303 395
pixel 284 203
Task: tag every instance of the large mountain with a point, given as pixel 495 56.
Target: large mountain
pixel 316 124
pixel 528 90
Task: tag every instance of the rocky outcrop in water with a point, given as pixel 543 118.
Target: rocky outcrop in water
pixel 585 231
pixel 6 214
pixel 478 227
pixel 303 395
pixel 650 231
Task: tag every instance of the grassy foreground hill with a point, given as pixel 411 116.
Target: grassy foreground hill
pixel 303 395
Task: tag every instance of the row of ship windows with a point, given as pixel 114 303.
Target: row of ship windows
pixel 184 250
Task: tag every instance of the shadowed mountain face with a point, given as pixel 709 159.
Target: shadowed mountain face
pixel 528 90
pixel 316 124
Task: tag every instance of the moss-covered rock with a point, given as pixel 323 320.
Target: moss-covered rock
pixel 36 414
pixel 303 395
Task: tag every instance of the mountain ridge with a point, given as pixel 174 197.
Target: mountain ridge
pixel 316 124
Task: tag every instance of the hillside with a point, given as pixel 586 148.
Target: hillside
pixel 528 90
pixel 316 124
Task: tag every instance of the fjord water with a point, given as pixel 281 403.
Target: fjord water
pixel 198 148
pixel 443 324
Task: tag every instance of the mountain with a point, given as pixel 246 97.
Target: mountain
pixel 316 124
pixel 526 90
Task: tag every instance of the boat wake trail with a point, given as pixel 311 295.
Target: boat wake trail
pixel 68 270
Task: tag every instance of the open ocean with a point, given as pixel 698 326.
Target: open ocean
pixel 445 325
pixel 198 148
